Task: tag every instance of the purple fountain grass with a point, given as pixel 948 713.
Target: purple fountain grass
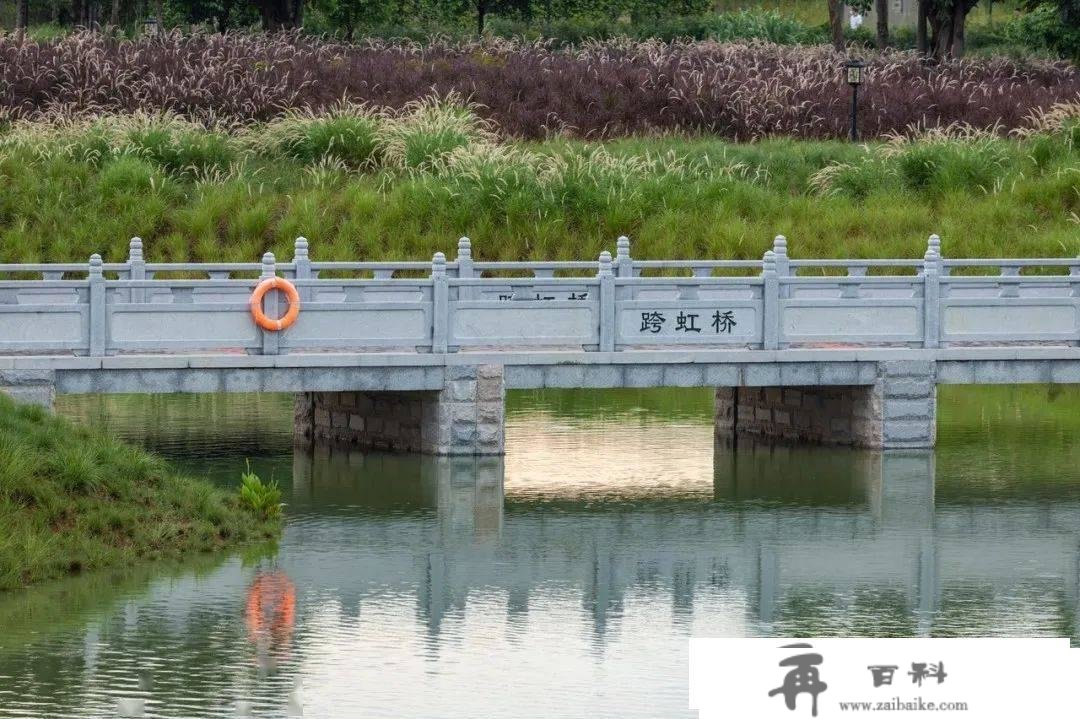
pixel 599 90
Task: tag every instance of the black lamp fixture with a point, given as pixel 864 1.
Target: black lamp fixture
pixel 150 26
pixel 853 70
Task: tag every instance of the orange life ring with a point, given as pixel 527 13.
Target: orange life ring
pixel 275 283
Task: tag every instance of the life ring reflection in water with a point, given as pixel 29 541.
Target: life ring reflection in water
pixel 270 613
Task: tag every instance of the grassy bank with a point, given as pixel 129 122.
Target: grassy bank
pixel 361 185
pixel 72 499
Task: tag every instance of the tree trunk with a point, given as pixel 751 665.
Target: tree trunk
pixel 22 14
pixel 481 11
pixel 941 36
pixel 881 9
pixel 836 24
pixel 277 15
pixel 114 13
pixel 959 19
pixel 921 43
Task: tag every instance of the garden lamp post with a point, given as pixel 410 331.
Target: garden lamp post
pixel 854 71
pixel 150 26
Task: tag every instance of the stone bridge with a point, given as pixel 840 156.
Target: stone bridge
pixel 417 356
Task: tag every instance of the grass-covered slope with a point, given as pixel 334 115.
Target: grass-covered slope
pixel 72 499
pixel 364 185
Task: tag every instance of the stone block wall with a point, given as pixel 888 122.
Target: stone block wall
pixel 371 420
pixel 468 417
pixel 464 418
pixel 27 386
pixel 897 411
pixel 817 415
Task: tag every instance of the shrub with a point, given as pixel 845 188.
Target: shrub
pixel 1043 28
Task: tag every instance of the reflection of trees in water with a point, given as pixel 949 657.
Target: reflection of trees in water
pixel 191 425
pixel 645 405
pixel 1008 442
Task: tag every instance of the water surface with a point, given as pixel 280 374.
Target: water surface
pixel 562 580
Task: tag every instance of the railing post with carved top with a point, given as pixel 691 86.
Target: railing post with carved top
pixel 770 296
pixel 302 265
pixel 783 262
pixel 932 294
pixel 624 266
pixel 440 297
pixel 607 303
pixel 98 325
pixel 465 267
pixel 934 243
pixel 271 306
pixel 136 270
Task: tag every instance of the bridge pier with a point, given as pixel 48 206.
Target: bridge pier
pixel 898 411
pixel 27 386
pixel 465 417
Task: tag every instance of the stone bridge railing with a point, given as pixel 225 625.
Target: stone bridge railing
pixel 100 309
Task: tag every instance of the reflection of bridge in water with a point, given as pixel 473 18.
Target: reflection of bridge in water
pixel 787 526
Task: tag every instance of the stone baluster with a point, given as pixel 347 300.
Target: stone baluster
pixel 783 264
pixel 98 326
pixel 465 268
pixel 931 272
pixel 302 268
pixel 607 302
pixel 1010 289
pixel 271 306
pixel 624 265
pixel 770 295
pixel 440 295
pixel 136 270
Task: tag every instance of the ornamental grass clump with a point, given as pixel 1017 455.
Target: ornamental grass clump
pixel 426 131
pixel 346 135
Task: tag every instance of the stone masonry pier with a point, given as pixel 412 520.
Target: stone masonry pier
pixel 897 411
pixel 465 418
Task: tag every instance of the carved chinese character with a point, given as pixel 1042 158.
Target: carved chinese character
pixel 686 323
pixel 652 322
pixel 722 322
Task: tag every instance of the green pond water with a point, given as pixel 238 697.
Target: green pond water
pixel 562 580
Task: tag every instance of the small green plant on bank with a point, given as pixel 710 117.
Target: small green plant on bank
pixel 262 498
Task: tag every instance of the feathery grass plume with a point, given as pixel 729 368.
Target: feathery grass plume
pixel 426 130
pixel 167 140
